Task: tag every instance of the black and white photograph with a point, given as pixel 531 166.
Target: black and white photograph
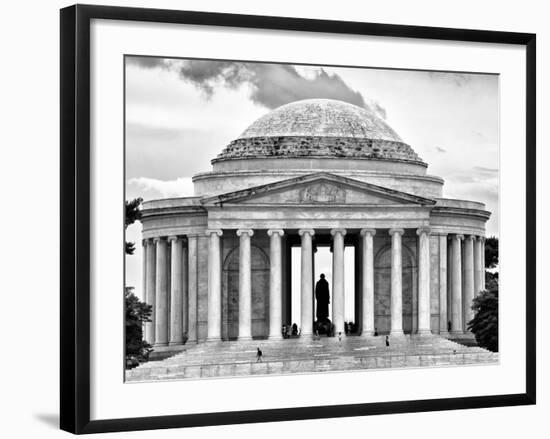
pixel 304 219
pixel 275 220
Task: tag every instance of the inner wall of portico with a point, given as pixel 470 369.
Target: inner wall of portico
pixel 259 283
pixel 382 281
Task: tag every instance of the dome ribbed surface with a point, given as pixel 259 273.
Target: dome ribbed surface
pixel 319 128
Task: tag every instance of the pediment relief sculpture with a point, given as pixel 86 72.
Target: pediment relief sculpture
pixel 323 193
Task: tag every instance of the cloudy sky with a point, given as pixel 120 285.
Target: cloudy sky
pixel 181 113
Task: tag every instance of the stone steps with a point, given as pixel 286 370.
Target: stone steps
pixel 299 355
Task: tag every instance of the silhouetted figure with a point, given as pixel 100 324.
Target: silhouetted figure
pixel 387 341
pixel 339 336
pixel 294 329
pixel 376 332
pixel 323 298
pixel 259 356
pixel 449 325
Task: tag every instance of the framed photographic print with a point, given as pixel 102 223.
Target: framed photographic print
pixel 285 218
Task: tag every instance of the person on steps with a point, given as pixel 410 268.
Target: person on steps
pixel 259 356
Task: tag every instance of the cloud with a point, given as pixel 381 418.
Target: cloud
pixel 439 149
pixel 165 154
pixel 147 62
pixel 181 187
pixel 489 172
pixel 457 79
pixel 271 85
pixel 378 109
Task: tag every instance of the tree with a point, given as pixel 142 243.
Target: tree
pixel 137 314
pixel 484 325
pixel 133 214
pixel 491 252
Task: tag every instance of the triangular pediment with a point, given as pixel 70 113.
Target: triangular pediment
pixel 318 189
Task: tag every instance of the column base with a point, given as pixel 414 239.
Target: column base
pixel 244 338
pixel 160 345
pixel 456 334
pixel 424 332
pixel 444 333
pixel 275 337
pixel 176 343
pixel 213 340
pixel 397 333
pixel 367 334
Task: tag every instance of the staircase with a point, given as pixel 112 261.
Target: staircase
pixel 238 358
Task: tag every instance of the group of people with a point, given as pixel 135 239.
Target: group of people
pixel 290 330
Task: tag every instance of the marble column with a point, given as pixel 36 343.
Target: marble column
pixel 469 279
pixel 456 285
pixel 338 274
pixel 176 290
pixel 443 318
pixel 144 276
pixel 161 287
pixel 396 283
pixel 245 284
pixel 368 282
pixel 150 285
pixel 478 271
pixel 306 293
pixel 275 284
pixel 483 286
pixel 424 317
pixel 192 288
pixel 214 286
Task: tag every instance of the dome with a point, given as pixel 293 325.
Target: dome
pixel 319 128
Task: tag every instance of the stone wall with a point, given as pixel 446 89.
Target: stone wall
pixel 313 146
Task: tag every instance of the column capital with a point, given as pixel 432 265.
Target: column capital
pixel 209 232
pixel 172 238
pixel 144 242
pixel 338 231
pixel 396 231
pixel 423 230
pixel 275 232
pixel 470 237
pixel 157 239
pixel 458 236
pixel 245 232
pixel 302 232
pixel 370 232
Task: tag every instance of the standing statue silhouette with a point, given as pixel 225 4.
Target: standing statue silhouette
pixel 323 298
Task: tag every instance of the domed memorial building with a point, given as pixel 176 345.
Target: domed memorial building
pixel 311 173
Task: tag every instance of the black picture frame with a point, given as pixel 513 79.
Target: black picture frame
pixel 75 217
